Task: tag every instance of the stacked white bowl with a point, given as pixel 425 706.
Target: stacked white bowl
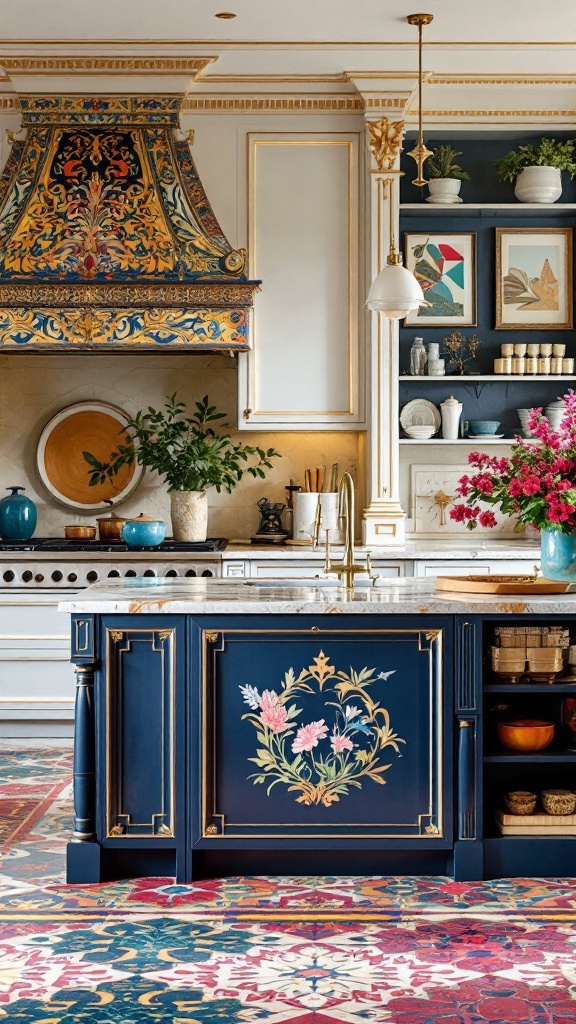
pixel 421 432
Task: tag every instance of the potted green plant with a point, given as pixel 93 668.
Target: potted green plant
pixel 445 175
pixel 189 454
pixel 537 169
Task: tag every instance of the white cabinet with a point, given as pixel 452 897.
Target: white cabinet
pixel 308 568
pixel 303 213
pixel 37 682
pixel 474 568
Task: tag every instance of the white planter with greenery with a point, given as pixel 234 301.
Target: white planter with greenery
pixel 445 176
pixel 538 185
pixel 189 515
pixel 537 170
pixel 191 457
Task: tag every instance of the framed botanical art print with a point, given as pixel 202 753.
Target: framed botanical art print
pixel 445 266
pixel 534 279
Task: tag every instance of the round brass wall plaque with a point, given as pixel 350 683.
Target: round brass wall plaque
pixel 86 426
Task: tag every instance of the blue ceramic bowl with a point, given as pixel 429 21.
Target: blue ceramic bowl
pixel 143 532
pixel 483 426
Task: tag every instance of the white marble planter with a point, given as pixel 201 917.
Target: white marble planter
pixel 444 188
pixel 538 185
pixel 189 514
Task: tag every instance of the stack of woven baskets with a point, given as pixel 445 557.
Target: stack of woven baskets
pixel 533 651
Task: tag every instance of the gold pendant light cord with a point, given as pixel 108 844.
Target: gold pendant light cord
pixel 420 153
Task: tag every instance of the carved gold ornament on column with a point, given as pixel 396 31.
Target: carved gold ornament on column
pixel 385 141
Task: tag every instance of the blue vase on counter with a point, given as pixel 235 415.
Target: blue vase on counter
pixel 18 516
pixel 558 555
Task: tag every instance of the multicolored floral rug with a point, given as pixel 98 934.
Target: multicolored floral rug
pixel 274 951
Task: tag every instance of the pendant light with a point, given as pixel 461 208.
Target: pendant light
pixel 395 291
pixel 420 153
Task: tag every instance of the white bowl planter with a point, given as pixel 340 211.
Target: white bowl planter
pixel 444 188
pixel 538 185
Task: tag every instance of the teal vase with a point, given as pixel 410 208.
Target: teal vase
pixel 558 555
pixel 17 516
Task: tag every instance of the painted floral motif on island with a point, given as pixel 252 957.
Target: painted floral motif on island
pixel 322 760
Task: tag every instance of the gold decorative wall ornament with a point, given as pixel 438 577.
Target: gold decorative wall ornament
pixel 385 141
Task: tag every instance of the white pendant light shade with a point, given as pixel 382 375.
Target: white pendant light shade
pixel 395 292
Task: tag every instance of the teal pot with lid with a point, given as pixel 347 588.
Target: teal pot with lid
pixel 558 555
pixel 18 516
pixel 143 532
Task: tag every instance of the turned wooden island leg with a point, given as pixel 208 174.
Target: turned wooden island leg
pixel 83 852
pixel 84 778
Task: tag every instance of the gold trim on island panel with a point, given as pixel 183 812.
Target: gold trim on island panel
pixel 163 636
pixel 431 637
pixel 255 139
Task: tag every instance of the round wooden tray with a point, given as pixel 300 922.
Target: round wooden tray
pixel 509 584
pixel 84 427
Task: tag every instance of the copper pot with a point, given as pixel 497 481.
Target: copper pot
pixel 110 527
pixel 80 532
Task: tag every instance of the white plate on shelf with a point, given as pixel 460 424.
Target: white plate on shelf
pixel 420 412
pixel 444 200
pixel 484 437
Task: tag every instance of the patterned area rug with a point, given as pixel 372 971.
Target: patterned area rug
pixel 275 951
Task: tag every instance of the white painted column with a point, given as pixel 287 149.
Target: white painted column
pixel 383 517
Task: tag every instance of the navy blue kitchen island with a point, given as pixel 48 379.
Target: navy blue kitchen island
pixel 224 728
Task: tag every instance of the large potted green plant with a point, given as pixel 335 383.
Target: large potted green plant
pixel 445 175
pixel 537 170
pixel 191 457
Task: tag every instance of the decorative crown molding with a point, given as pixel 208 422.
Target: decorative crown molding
pixel 104 65
pixel 299 102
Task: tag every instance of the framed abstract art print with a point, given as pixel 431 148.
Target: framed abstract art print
pixel 445 266
pixel 534 279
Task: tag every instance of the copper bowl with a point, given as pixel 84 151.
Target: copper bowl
pixel 528 734
pixel 80 532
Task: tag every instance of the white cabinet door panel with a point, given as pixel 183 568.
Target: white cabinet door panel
pixel 303 215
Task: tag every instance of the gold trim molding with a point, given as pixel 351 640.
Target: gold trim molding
pixel 127 296
pixel 276 104
pixel 104 65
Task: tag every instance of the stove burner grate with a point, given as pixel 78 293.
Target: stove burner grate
pixel 63 545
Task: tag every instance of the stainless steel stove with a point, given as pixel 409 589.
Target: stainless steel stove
pixel 52 563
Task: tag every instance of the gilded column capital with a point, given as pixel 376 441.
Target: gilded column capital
pixel 385 140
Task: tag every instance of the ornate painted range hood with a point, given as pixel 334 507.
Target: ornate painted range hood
pixel 107 239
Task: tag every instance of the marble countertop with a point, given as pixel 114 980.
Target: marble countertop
pixel 245 597
pixel 481 546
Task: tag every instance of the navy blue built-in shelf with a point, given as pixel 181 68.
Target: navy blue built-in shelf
pixel 553 689
pixel 541 756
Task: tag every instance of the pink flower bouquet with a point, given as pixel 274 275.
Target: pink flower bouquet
pixel 537 483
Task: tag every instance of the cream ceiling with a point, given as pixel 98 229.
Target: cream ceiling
pixel 300 21
pixel 335 47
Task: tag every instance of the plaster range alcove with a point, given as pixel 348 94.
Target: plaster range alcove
pixel 34 387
